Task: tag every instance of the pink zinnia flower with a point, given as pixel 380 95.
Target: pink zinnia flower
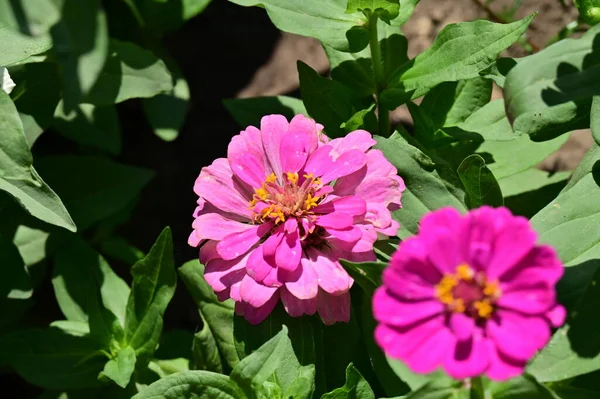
pixel 472 293
pixel 275 217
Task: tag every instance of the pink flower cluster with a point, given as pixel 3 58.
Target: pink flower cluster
pixel 275 217
pixel 473 294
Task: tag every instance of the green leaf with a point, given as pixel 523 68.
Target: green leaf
pixel 451 103
pixel 87 290
pixel 76 328
pixel 363 119
pixel 429 185
pixel 490 121
pixel 118 248
pixel 120 368
pixel 129 72
pixel 249 111
pixel 498 70
pixel 589 11
pixel 366 274
pixel 165 16
pixel 17 175
pixel 33 17
pixel 166 112
pixel 549 93
pixel 327 101
pixel 15 283
pixel 595 119
pixel 96 188
pixel 385 9
pixel 192 385
pixel 217 317
pixel 89 125
pixel 154 282
pixel 164 368
pixel 460 51
pixel 520 387
pixel 441 389
pixel 480 185
pixel 406 9
pixel 52 359
pixel 355 388
pixel 80 44
pixel 325 20
pixel 16 48
pixel 412 379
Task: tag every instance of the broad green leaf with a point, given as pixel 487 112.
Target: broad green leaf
pixel 249 111
pixel 595 119
pixel 80 44
pixel 52 359
pixel 327 101
pixel 118 248
pixel 96 188
pixel 164 368
pixel 32 17
pixel 451 103
pixel 498 70
pixel 192 385
pixel 460 51
pixel 166 112
pixel 205 350
pixel 415 380
pixel 165 16
pixel 17 175
pixel 154 281
pixel 16 47
pixel 120 368
pixel 490 121
pixel 385 9
pixel 129 72
pixel 89 125
pixel 355 70
pixel 549 93
pixel 429 185
pixel 355 388
pixel 36 95
pixel 406 9
pixel 364 119
pixel 217 317
pixel 324 20
pixel 573 393
pixel 441 389
pixel 87 290
pixel 15 283
pixel 366 274
pixel 71 327
pixel 480 184
pixel 520 387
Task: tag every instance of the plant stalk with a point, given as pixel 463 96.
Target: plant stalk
pixel 383 114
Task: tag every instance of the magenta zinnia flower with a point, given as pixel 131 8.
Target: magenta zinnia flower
pixel 472 293
pixel 275 217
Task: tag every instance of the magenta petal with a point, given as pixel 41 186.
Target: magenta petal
pixel 468 358
pixel 534 299
pixel 272 127
pixel 395 312
pixel 557 316
pixel 512 244
pixel 333 308
pixel 255 293
pixel 335 220
pixel 221 274
pixel 429 355
pixel 399 342
pixel 321 163
pixel 408 286
pixel 502 368
pixel 289 251
pixel 350 205
pixel 332 277
pixel 302 282
pixel 297 307
pixel 349 234
pixel 518 336
pixel 412 257
pixel 462 326
pixel 257 267
pixel 246 157
pixel 357 140
pixel 237 244
pixel 257 315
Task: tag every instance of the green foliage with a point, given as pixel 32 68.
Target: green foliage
pixel 249 111
pixel 192 385
pixel 355 388
pixel 480 185
pixel 385 9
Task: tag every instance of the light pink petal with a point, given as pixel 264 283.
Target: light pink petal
pixel 237 244
pixel 289 251
pixel 247 157
pixel 332 277
pixel 322 163
pixel 257 267
pixel 468 358
pixel 512 244
pixel 274 278
pixel 257 315
pixel 221 274
pixel 501 367
pixel 193 240
pixel 351 205
pixel 357 140
pixel 297 307
pixel 518 336
pixel 217 186
pixel 395 312
pixel 350 234
pixel 255 293
pixel 398 342
pixel 302 282
pixel 208 252
pixel 557 316
pixel 333 308
pixel 297 143
pixel 270 245
pixel 272 127
pixel 336 220
pixel 462 326
pixel 212 226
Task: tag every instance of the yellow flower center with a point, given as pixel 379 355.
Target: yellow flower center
pixel 468 292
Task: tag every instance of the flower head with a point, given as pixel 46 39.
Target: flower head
pixel 275 217
pixel 473 294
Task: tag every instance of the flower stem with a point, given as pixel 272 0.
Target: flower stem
pixel 384 115
pixel 478 389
